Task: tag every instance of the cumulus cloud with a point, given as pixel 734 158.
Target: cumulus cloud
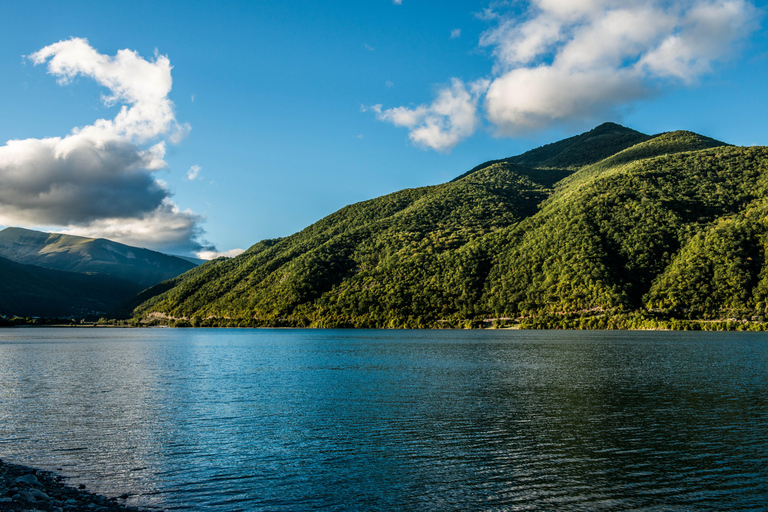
pixel 76 179
pixel 526 100
pixel 441 125
pixel 165 228
pixel 455 33
pixel 141 86
pixel 580 60
pixel 98 180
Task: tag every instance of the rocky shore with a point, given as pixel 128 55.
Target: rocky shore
pixel 27 489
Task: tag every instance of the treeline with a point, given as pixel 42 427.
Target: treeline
pixel 13 321
pixel 635 320
pixel 640 320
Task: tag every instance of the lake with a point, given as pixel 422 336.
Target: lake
pixel 292 420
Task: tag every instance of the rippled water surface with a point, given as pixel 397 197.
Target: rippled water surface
pixel 393 420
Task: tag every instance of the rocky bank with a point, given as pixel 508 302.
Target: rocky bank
pixel 27 489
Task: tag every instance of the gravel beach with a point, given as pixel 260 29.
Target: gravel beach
pixel 25 488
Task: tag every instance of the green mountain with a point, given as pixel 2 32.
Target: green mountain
pixel 142 267
pixel 611 223
pixel 29 290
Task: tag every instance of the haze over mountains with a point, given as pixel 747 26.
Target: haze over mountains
pixel 611 220
pixel 51 274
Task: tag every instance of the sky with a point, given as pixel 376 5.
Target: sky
pixel 201 128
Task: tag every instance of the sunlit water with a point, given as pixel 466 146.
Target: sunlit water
pixel 393 420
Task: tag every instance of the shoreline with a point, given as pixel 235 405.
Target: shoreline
pixel 672 326
pixel 24 488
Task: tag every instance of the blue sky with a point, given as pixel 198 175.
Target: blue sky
pixel 283 112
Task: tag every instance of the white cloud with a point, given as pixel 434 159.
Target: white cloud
pixel 703 37
pixel 528 99
pixel 451 118
pixel 210 255
pixel 166 228
pixel 455 33
pixel 397 2
pixel 131 80
pixel 580 60
pixel 99 179
pixel 194 172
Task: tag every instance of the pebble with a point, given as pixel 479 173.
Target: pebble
pixel 33 496
pixel 29 479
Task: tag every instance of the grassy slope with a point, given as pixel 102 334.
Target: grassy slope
pixel 405 255
pixel 602 243
pixel 610 219
pixel 378 248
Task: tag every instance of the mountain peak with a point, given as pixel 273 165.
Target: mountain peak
pixel 581 150
pixel 609 127
pixel 91 255
pixel 575 152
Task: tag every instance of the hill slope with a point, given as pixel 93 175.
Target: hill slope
pixel 90 255
pixel 29 290
pixel 610 220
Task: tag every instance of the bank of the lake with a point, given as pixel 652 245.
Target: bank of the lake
pixel 23 488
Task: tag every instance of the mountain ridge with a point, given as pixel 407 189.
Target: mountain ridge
pixel 606 228
pixel 90 255
pixel 596 222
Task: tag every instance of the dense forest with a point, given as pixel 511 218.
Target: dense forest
pixel 608 229
pixel 44 292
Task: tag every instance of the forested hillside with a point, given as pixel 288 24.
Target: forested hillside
pixel 608 228
pixel 32 291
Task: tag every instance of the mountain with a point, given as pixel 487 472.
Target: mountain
pixel 29 290
pixel 610 222
pixel 142 267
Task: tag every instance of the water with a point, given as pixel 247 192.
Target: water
pixel 293 420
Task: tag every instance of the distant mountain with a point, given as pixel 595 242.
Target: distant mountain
pixel 29 290
pixel 195 261
pixel 142 267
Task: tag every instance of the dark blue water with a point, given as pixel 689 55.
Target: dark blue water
pixel 393 420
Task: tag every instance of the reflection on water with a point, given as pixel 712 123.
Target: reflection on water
pixel 393 420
